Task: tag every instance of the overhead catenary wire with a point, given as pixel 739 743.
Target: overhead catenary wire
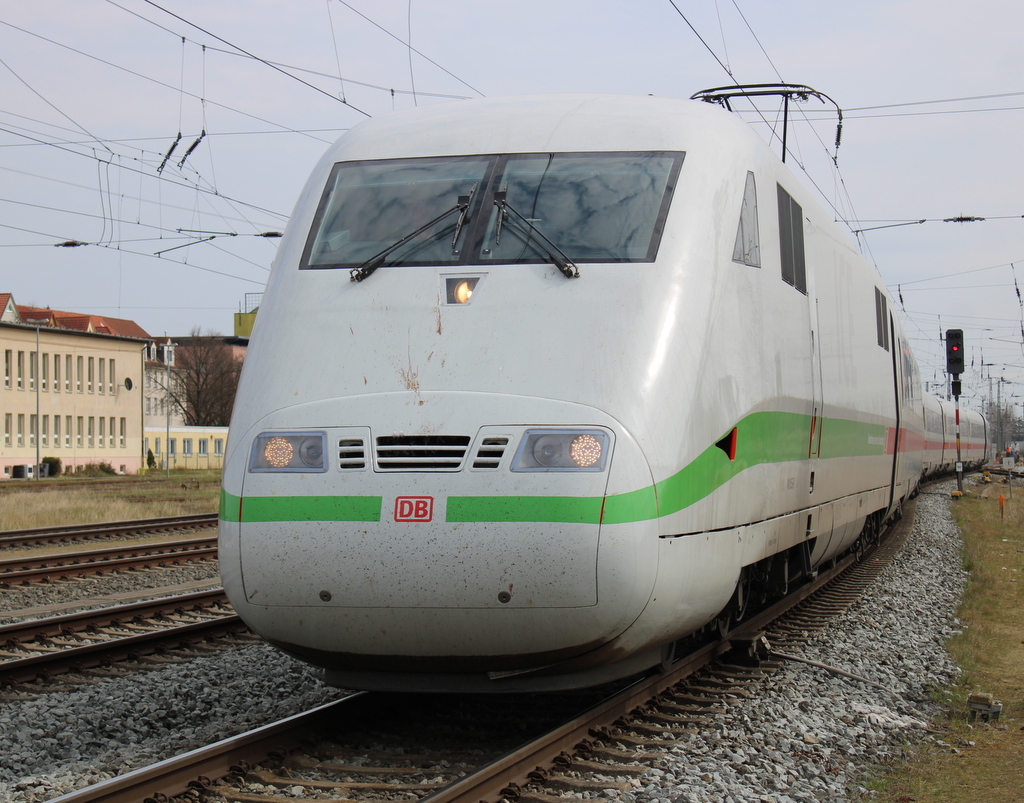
pixel 158 82
pixel 844 198
pixel 253 56
pixel 411 48
pixel 59 111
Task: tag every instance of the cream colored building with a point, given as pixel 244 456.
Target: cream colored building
pixel 72 388
pixel 186 447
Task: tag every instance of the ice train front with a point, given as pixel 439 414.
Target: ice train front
pixel 433 478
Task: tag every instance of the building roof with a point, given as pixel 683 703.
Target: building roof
pixel 10 312
pixel 8 309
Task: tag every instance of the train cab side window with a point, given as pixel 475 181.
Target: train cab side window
pixel 881 319
pixel 748 244
pixel 791 241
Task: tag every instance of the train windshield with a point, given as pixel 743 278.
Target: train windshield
pixel 595 207
pixel 368 207
pixel 607 207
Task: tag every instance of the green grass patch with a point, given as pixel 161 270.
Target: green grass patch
pixel 84 500
pixel 974 761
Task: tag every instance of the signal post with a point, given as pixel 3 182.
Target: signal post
pixel 955 367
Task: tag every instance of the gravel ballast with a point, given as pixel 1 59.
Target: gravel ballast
pixel 805 734
pixel 808 734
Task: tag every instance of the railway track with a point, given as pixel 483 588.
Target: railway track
pixel 113 529
pixel 60 484
pixel 26 570
pixel 43 648
pixel 358 749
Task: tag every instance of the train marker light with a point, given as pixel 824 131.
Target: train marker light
pixel 585 450
pixel 278 452
pixel 288 451
pixel 562 450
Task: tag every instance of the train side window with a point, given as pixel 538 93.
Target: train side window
pixel 881 319
pixel 791 241
pixel 748 244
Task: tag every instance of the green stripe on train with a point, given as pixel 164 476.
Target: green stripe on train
pixel 299 508
pixel 766 437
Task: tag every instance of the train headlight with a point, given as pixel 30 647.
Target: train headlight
pixel 288 451
pixel 562 450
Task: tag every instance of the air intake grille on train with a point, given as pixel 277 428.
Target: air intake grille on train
pixel 421 452
pixel 351 453
pixel 489 453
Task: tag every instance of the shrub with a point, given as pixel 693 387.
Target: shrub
pixel 54 464
pixel 97 470
pixel 150 459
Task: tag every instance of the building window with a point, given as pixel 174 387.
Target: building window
pixel 21 429
pixel 102 432
pixel 204 447
pixel 8 426
pixel 80 430
pixel 186 447
pixel 172 447
pixel 110 378
pixel 156 451
pixel 79 368
pixel 149 406
pixel 92 372
pixel 67 431
pixel 56 432
pixel 92 430
pixel 33 423
pixel 102 387
pixel 8 364
pixel 110 432
pixel 67 374
pixel 145 445
pixel 56 373
pixel 218 447
pixel 45 374
pixel 31 370
pixel 124 427
pixel 46 431
pixel 21 370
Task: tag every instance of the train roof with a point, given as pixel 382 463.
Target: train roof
pixel 543 123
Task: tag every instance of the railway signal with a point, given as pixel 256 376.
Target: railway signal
pixel 955 367
pixel 955 351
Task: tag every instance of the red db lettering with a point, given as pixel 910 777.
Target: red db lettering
pixel 414 508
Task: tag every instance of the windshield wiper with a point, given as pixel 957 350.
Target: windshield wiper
pixel 374 262
pixel 552 251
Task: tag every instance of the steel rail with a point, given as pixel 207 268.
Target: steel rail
pixel 175 775
pixel 22 571
pixel 65 624
pixel 102 653
pixel 44 535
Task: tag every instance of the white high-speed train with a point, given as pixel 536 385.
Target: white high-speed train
pixel 541 385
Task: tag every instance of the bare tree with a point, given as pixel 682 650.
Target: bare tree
pixel 206 370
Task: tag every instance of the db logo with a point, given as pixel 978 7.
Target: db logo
pixel 414 508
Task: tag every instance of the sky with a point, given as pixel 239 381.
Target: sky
pixel 99 214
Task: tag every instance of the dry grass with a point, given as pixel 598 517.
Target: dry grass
pixel 977 761
pixel 112 500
